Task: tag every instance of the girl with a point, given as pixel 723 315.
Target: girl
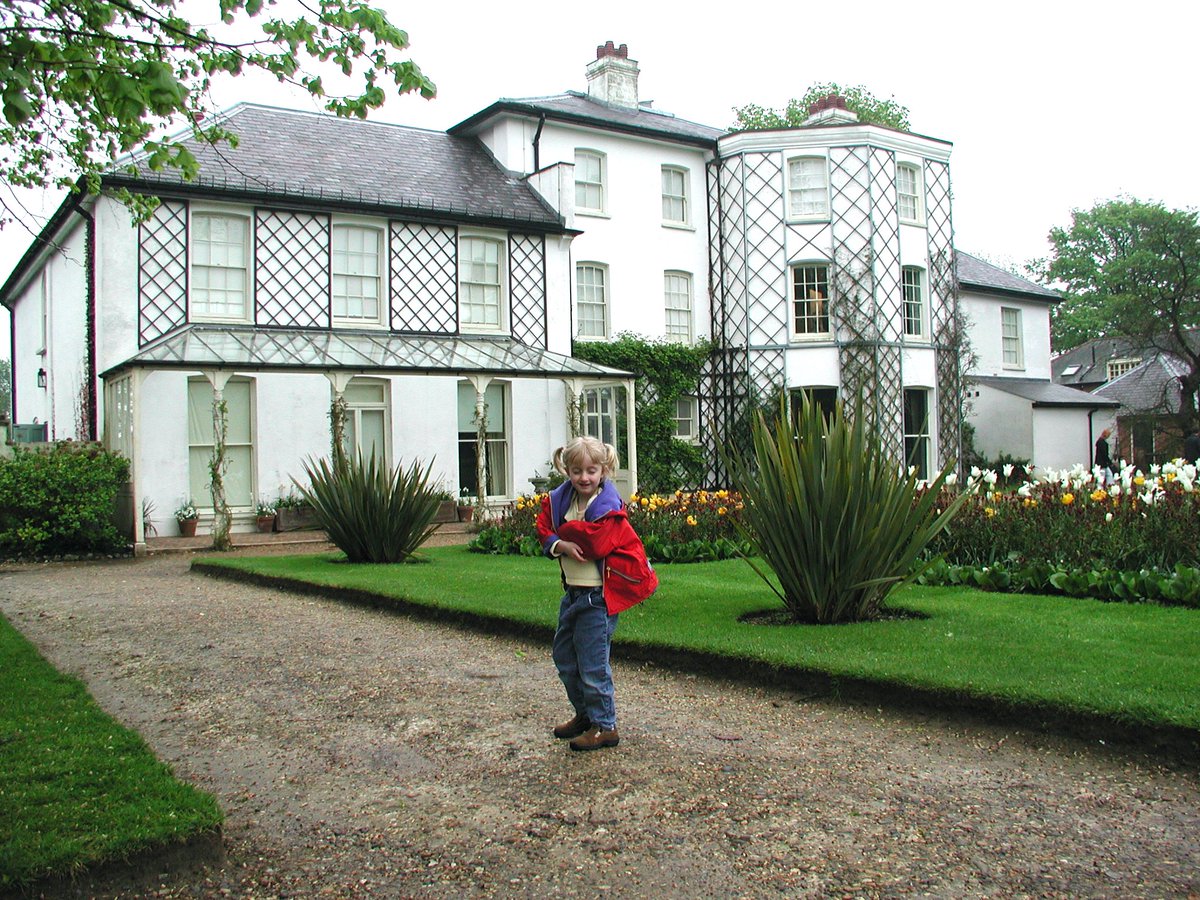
pixel 583 525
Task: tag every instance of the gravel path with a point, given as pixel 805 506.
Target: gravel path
pixel 362 754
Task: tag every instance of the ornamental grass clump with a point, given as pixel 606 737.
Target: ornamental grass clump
pixel 371 513
pixel 832 515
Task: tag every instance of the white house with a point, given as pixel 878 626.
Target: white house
pixel 429 280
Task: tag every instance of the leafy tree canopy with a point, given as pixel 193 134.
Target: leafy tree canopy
pixel 84 81
pixel 1132 269
pixel 870 108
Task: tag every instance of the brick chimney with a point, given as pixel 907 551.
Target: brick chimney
pixel 830 110
pixel 612 76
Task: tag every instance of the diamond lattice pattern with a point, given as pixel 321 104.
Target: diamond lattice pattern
pixel 162 272
pixel 291 269
pixel 424 278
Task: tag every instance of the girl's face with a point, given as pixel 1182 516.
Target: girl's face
pixel 585 476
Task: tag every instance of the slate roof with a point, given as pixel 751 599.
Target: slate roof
pixel 247 346
pixel 1152 387
pixel 1092 358
pixel 1044 393
pixel 580 109
pixel 974 273
pixel 311 156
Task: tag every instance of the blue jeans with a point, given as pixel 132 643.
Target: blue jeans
pixel 581 648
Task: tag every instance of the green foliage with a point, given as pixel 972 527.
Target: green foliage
pixel 831 514
pixel 372 514
pixel 83 82
pixel 60 501
pixel 665 372
pixel 870 108
pixel 78 789
pixel 1131 269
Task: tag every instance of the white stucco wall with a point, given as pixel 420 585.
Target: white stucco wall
pixel 1061 438
pixel 1003 424
pixel 983 327
pixel 630 237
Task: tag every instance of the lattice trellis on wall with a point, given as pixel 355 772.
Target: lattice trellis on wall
pixel 944 312
pixel 162 271
pixel 527 288
pixel 424 269
pixel 291 269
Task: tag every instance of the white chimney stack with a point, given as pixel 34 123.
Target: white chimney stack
pixel 613 77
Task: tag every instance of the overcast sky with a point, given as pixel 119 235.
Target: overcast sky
pixel 1050 105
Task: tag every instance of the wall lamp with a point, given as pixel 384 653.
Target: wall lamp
pixel 41 378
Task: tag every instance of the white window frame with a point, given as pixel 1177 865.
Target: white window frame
pixel 917 435
pixel 499 446
pixel 1115 368
pixel 599 184
pixel 604 302
pixel 801 209
pixel 1012 342
pixel 195 268
pixel 687 410
pixel 680 199
pixel 679 303
pixel 203 499
pixel 336 273
pixel 914 307
pixel 799 308
pixel 915 215
pixel 354 413
pixel 466 284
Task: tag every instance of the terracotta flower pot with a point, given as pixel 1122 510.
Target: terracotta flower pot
pixel 187 527
pixel 466 513
pixel 265 523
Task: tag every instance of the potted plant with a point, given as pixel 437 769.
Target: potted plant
pixel 292 513
pixel 466 510
pixel 264 515
pixel 447 511
pixel 187 517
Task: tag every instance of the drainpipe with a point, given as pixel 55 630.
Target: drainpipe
pixel 1091 443
pixel 89 372
pixel 537 146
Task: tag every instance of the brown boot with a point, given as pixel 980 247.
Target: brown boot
pixel 572 728
pixel 595 739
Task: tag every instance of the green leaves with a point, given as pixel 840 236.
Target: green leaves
pixel 834 518
pixel 870 108
pixel 83 82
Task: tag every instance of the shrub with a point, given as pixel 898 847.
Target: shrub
pixel 370 513
pixel 60 501
pixel 832 514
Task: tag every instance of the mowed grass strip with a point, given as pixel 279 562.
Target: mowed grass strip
pixel 77 788
pixel 1136 664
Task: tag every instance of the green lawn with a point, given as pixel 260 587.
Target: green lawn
pixel 76 788
pixel 1136 664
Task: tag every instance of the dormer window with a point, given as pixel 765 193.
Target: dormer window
pixel 1118 367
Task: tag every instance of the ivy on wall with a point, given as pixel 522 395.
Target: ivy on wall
pixel 664 372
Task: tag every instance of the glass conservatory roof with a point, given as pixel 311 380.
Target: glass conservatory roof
pixel 226 346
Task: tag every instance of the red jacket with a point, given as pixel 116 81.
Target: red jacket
pixel 608 538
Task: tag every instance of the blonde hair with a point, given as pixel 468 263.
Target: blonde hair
pixel 573 452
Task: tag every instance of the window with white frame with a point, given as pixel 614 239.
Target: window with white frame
pixel 1118 367
pixel 909 188
pixel 810 300
pixel 1010 338
pixel 366 428
pixel 914 302
pixel 687 417
pixel 220 257
pixel 356 266
pixel 604 410
pixel 916 430
pixel 677 293
pixel 480 283
pixel 495 441
pixel 674 195
pixel 590 168
pixel 808 187
pixel 239 442
pixel 591 300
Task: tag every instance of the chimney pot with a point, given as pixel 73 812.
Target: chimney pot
pixel 623 51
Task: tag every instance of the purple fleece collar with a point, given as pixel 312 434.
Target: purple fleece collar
pixel 607 500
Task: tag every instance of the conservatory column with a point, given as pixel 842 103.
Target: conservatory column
pixel 480 383
pixel 339 380
pixel 574 406
pixel 631 436
pixel 218 378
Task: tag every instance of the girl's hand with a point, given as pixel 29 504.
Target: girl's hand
pixel 571 549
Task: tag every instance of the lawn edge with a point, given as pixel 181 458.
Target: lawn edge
pixel 1172 742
